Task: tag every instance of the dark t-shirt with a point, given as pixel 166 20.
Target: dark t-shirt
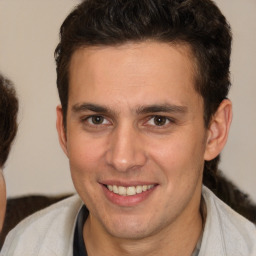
pixel 79 246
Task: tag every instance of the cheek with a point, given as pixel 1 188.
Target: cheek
pixel 84 151
pixel 180 155
pixel 85 158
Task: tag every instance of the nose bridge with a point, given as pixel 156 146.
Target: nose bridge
pixel 125 149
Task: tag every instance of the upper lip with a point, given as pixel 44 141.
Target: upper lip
pixel 127 183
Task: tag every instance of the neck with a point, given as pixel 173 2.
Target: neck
pixel 179 238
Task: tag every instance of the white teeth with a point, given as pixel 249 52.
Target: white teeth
pixel 139 189
pixel 115 189
pixel 129 191
pixel 144 187
pixel 110 187
pixel 121 191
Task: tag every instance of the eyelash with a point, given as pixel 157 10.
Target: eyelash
pixel 167 121
pixel 86 119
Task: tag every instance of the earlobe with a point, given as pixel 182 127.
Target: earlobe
pixel 218 130
pixel 61 130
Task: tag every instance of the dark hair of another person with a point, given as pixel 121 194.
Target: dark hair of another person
pixel 8 117
pixel 196 23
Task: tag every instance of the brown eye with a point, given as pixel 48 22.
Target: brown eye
pixel 97 119
pixel 160 120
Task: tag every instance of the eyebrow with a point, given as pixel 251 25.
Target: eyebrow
pixel 166 108
pixel 90 107
pixel 156 108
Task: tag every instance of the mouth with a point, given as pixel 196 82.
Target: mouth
pixel 130 190
pixel 128 195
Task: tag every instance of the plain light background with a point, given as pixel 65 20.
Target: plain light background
pixel 28 36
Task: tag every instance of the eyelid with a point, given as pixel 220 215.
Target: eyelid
pixel 89 117
pixel 87 120
pixel 168 119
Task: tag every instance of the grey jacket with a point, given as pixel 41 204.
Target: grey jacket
pixel 50 232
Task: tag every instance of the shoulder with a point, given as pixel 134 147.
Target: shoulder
pixel 226 230
pixel 47 232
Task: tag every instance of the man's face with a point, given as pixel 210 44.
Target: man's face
pixel 135 137
pixel 2 199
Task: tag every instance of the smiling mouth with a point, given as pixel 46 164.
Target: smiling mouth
pixel 129 191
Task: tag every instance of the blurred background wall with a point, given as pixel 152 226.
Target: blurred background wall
pixel 28 37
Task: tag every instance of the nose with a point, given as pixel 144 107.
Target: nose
pixel 126 150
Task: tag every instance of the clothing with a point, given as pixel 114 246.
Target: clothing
pixel 78 245
pixel 50 232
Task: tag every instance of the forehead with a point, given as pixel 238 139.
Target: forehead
pixel 133 72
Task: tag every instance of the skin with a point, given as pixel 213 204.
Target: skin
pixel 129 88
pixel 2 199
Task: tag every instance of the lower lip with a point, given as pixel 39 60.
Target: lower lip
pixel 127 201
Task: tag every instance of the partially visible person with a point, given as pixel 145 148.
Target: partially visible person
pixel 8 130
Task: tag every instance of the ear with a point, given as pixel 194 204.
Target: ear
pixel 218 130
pixel 61 130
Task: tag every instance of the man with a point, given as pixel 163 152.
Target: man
pixel 8 129
pixel 144 116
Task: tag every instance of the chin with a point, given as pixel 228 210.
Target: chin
pixel 130 234
pixel 129 228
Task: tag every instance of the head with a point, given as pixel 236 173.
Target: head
pixel 133 63
pixel 197 23
pixel 8 129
